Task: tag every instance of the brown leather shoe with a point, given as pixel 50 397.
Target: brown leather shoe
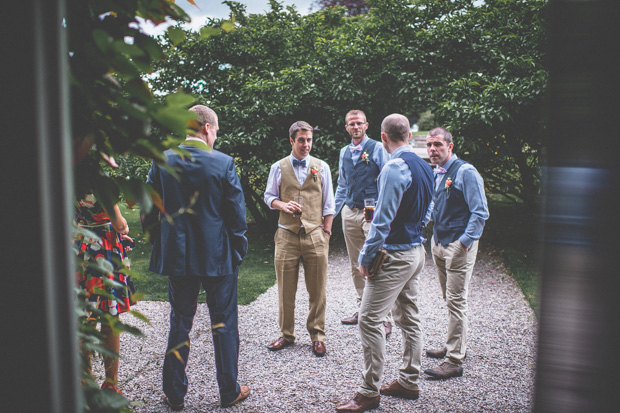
pixel 350 320
pixel 359 403
pixel 388 328
pixel 245 392
pixel 279 344
pixel 396 390
pixel 445 370
pixel 318 348
pixel 437 354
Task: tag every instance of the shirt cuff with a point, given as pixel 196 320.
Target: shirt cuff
pixel 465 240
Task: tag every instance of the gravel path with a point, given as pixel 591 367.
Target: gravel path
pixel 498 372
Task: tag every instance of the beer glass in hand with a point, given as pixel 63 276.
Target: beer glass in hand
pixel 369 209
pixel 300 201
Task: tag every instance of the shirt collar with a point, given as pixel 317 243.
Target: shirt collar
pixel 293 157
pixel 447 164
pixel 401 149
pixel 196 142
pixel 362 142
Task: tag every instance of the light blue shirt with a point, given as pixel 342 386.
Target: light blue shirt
pixel 272 191
pixel 468 181
pixel 379 156
pixel 394 179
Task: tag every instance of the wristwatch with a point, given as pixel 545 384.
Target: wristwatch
pixel 327 232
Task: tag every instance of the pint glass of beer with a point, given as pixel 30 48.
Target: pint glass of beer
pixel 369 209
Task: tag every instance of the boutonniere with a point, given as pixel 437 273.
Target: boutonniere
pixel 365 157
pixel 448 184
pixel 314 172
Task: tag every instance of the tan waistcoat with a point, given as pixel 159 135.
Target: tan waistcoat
pixel 311 191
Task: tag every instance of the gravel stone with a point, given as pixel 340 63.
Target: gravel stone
pixel 498 371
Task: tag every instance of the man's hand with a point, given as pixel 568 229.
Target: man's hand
pixel 291 207
pixel 364 271
pixel 464 247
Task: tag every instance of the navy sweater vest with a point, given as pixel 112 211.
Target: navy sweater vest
pixel 451 212
pixel 407 225
pixel 361 177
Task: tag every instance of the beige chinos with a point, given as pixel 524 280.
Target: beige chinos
pixel 455 267
pixel 313 248
pixel 394 286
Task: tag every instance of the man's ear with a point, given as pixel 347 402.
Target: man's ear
pixel 384 137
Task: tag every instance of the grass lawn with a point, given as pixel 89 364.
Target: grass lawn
pixel 256 274
pixel 514 234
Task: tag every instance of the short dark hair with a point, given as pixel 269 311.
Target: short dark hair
pixel 297 126
pixel 444 133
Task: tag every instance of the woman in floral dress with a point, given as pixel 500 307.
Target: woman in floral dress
pixel 107 251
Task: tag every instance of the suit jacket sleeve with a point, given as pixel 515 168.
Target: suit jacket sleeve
pixel 234 215
pixel 150 220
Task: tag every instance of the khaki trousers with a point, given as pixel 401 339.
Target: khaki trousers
pixel 455 267
pixel 395 285
pixel 355 229
pixel 313 249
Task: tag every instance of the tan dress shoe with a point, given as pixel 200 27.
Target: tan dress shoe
pixel 243 394
pixel 318 348
pixel 359 403
pixel 350 320
pixel 396 390
pixel 279 344
pixel 445 370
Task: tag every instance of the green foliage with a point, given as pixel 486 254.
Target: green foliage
pixel 114 114
pixel 113 110
pixel 476 68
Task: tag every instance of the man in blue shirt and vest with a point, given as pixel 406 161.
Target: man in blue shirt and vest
pixel 359 165
pixel 405 190
pixel 459 212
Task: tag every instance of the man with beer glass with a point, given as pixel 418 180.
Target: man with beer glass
pixel 359 166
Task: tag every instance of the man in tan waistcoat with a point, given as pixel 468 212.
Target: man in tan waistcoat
pixel 303 232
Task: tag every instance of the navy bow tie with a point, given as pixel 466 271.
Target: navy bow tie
pixel 297 162
pixel 439 170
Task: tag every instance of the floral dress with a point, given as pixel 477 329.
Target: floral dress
pixel 107 251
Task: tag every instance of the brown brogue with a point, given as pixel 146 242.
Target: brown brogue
pixel 388 328
pixel 243 394
pixel 445 370
pixel 279 344
pixel 437 354
pixel 350 320
pixel 318 348
pixel 359 403
pixel 396 390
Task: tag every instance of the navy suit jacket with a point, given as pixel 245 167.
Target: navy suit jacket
pixel 208 239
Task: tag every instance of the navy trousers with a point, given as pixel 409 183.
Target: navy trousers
pixel 222 303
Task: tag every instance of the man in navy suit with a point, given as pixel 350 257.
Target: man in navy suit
pixel 203 247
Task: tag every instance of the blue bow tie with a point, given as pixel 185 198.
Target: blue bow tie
pixel 297 162
pixel 439 170
pixel 355 148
